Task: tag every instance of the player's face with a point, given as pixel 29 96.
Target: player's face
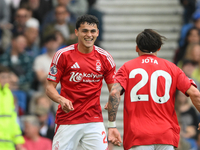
pixel 87 34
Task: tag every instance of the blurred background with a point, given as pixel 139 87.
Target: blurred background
pixel 31 31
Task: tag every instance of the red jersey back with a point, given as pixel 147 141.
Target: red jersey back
pixel 81 78
pixel 150 84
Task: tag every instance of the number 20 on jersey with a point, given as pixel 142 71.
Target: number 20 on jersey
pixel 153 86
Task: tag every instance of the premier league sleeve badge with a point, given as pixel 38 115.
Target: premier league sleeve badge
pixel 53 70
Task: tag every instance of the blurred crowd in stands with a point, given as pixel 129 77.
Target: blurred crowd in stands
pixel 187 57
pixel 31 31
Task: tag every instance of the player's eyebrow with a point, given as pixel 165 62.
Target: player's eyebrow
pixel 86 30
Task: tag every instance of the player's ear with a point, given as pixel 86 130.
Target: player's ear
pixel 76 32
pixel 137 49
pixel 98 32
pixel 159 49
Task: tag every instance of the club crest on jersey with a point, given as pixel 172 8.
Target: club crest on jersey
pixel 53 70
pixel 98 65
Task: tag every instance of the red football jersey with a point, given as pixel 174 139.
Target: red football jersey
pixel 150 84
pixel 81 78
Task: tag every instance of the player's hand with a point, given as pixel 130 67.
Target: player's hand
pixel 198 127
pixel 66 105
pixel 106 106
pixel 114 136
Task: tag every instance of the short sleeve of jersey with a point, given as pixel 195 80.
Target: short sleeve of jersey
pixel 122 77
pixel 183 82
pixel 56 68
pixel 110 70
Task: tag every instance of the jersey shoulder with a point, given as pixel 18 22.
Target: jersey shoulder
pixel 168 63
pixel 64 51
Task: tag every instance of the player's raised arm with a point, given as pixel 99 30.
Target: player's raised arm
pixel 113 103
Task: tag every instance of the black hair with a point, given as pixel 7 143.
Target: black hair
pixel 51 37
pixel 16 35
pixel 4 69
pixel 90 19
pixel 149 41
pixel 189 32
pixel 188 61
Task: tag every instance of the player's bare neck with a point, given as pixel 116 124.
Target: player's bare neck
pixel 85 50
pixel 140 53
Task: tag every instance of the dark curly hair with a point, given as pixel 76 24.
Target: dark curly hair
pixel 149 41
pixel 90 19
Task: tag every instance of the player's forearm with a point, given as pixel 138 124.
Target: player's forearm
pixel 194 94
pixel 113 103
pixel 196 101
pixel 53 94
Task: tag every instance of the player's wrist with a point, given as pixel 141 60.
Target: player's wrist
pixel 112 124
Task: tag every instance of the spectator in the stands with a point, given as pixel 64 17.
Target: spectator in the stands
pixel 59 38
pixel 196 75
pixel 187 27
pixel 192 53
pixel 61 24
pixel 39 7
pixel 188 67
pixel 189 8
pixel 10 133
pixel 193 36
pixel 43 62
pixel 33 140
pixel 45 130
pixel 51 17
pixel 4 17
pixel 187 117
pixel 40 100
pixel 32 35
pixel 19 62
pixel 77 7
pixel 20 19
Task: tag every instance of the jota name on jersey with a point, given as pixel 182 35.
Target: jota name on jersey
pixel 77 77
pixel 150 60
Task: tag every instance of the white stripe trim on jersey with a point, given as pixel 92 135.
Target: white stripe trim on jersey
pixel 108 56
pixel 58 53
pixel 76 64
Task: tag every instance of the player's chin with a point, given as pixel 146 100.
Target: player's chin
pixel 89 45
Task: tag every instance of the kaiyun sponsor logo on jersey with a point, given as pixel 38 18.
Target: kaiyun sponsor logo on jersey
pixel 77 77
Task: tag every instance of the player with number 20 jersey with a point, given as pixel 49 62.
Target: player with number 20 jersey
pixel 160 78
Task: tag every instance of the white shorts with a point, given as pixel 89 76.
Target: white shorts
pixel 87 136
pixel 153 147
